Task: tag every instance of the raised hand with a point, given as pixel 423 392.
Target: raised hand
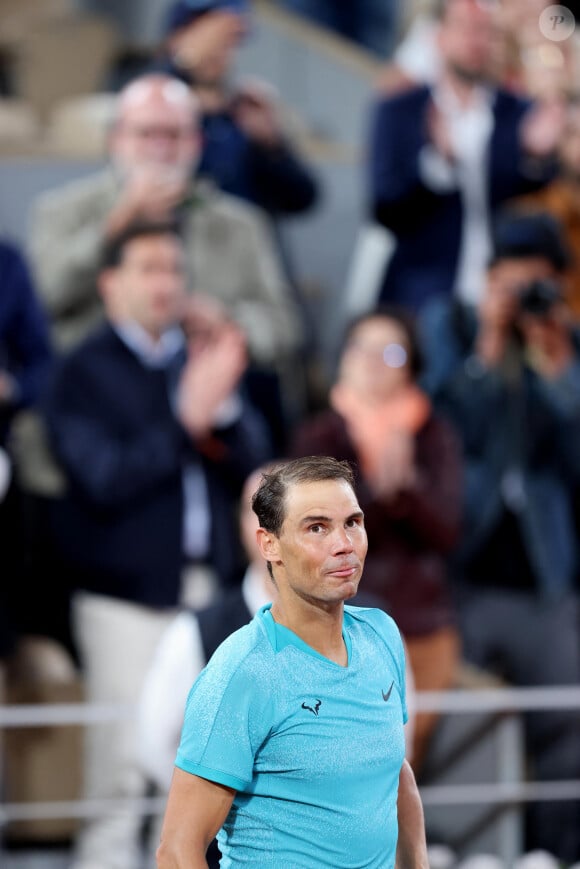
pixel 542 127
pixel 255 108
pixel 211 376
pixel 151 193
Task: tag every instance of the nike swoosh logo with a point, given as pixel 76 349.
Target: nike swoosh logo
pixel 388 694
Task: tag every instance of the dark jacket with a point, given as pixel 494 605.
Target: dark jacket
pixel 411 536
pixel 218 621
pixel 114 432
pixel 526 427
pixel 275 179
pixel 427 225
pixel 25 352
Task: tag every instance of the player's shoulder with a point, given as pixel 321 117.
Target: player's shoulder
pixel 372 619
pixel 245 654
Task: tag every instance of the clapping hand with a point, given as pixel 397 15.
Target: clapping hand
pixel 542 128
pixel 216 362
pixel 150 193
pixel 439 133
pixel 397 472
pixel 255 108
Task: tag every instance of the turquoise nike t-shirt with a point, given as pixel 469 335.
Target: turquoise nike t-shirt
pixel 313 749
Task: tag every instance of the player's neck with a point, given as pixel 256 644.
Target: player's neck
pixel 321 629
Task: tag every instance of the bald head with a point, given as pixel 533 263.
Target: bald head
pixel 156 90
pixel 156 124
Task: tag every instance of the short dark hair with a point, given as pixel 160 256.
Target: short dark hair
pixel 404 318
pixel 269 501
pixel 114 247
pixel 519 232
pixel 186 12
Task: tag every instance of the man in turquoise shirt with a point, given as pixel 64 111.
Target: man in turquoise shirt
pixel 292 745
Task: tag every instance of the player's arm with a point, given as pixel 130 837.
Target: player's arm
pixel 196 809
pixel 412 844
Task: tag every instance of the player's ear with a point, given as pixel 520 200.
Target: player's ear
pixel 268 544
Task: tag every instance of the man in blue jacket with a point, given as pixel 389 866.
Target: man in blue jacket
pixel 248 149
pixel 444 157
pixel 156 439
pixel 245 148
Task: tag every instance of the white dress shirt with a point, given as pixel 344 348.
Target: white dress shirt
pixel 470 128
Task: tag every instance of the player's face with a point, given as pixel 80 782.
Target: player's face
pixel 319 555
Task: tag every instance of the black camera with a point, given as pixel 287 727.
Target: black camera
pixel 539 297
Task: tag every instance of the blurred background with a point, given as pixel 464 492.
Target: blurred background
pixel 420 154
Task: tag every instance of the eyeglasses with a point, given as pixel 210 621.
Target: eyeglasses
pixel 393 355
pixel 148 133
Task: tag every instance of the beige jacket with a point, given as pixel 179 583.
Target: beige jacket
pixel 230 255
pixel 229 249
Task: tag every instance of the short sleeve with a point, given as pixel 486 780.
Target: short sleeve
pixel 224 723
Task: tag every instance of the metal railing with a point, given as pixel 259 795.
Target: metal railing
pixel 509 790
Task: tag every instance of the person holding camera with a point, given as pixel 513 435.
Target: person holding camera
pixel 508 375
pixel 561 197
pixel 248 148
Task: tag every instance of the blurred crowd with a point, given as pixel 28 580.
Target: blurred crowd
pixel 156 353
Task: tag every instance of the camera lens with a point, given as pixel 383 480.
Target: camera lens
pixel 540 297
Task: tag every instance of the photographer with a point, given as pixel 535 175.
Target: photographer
pixel 511 385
